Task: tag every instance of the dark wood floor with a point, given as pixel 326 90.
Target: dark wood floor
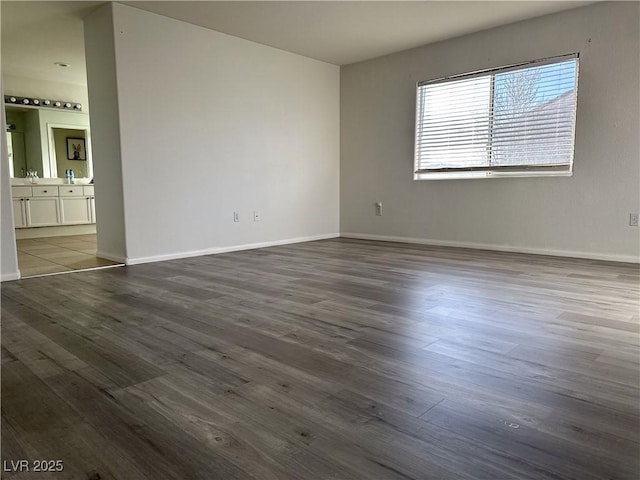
pixel 338 359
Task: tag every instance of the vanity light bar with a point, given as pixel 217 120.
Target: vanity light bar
pixel 36 102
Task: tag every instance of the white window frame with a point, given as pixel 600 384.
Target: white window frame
pixel 495 171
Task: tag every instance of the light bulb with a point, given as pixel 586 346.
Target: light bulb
pixel 56 104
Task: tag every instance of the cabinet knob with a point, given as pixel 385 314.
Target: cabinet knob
pixel 44 191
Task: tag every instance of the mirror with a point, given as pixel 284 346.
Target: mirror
pixel 48 141
pixel 17 154
pixel 23 142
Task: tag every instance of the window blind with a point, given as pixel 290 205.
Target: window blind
pixel 516 120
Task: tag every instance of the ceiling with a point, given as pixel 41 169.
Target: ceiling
pixel 347 32
pixel 37 34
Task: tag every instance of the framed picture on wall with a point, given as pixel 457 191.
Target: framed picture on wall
pixel 76 149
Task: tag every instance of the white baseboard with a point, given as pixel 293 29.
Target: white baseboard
pixel 111 256
pixel 494 247
pixel 8 277
pixel 232 248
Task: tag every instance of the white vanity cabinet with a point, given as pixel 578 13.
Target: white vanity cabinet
pixel 50 205
pixel 19 213
pixel 42 212
pixel 75 210
pixel 35 212
pixel 43 208
pixel 19 206
pixel 35 206
pixel 76 204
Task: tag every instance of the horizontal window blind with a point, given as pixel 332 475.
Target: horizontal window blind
pixel 517 119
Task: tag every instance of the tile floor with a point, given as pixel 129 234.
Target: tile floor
pixel 38 256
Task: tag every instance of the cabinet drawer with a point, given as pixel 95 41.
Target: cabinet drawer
pixel 20 192
pixel 88 191
pixel 45 191
pixel 71 191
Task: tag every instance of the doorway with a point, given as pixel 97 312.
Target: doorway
pixel 52 188
pixel 44 83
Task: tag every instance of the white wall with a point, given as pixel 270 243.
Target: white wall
pixel 584 215
pixel 211 124
pixel 8 258
pixel 105 134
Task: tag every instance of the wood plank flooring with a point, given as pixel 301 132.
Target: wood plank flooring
pixel 337 359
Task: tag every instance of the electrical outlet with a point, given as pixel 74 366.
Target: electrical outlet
pixel 256 216
pixel 379 209
pixel 633 219
pixel 236 216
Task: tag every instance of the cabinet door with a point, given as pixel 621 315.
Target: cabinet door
pixel 92 203
pixel 19 216
pixel 42 211
pixel 75 210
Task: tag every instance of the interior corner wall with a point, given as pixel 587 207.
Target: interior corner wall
pixel 8 257
pixel 105 132
pixel 586 215
pixel 212 124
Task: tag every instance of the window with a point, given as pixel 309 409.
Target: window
pixel 512 121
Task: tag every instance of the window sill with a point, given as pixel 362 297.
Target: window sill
pixel 483 175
